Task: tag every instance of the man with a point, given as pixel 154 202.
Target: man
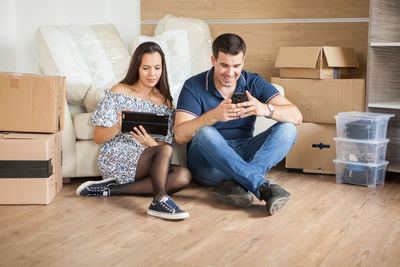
pixel 222 151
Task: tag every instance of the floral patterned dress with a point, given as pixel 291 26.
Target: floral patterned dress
pixel 119 156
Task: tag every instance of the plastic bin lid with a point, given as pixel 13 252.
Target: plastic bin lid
pixel 368 141
pixel 370 165
pixel 364 115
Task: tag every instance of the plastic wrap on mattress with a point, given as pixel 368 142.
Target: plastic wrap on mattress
pixel 91 57
pixel 175 46
pixel 200 40
pixel 59 54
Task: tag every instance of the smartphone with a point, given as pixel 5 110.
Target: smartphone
pixel 239 98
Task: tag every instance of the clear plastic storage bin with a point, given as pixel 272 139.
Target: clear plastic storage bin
pixel 361 151
pixel 360 173
pixel 362 125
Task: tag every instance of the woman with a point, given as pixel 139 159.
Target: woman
pixel 136 162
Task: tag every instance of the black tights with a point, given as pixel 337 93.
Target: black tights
pixel 155 175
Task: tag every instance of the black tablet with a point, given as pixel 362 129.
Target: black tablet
pixel 154 124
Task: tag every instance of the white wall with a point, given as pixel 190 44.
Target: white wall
pixel 8 37
pixel 19 20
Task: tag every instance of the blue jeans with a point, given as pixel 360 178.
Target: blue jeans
pixel 212 159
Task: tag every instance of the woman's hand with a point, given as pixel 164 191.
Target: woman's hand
pixel 119 124
pixel 140 135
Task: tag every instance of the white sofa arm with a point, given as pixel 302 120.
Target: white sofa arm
pixel 68 146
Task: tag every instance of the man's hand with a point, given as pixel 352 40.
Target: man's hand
pixel 227 111
pixel 252 107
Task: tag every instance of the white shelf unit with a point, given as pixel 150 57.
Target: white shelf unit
pixel 388 104
pixel 383 71
pixel 376 44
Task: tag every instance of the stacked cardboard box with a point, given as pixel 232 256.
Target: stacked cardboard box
pixel 31 121
pixel 317 80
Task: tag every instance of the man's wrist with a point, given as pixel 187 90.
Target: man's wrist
pixel 267 112
pixel 271 109
pixel 209 118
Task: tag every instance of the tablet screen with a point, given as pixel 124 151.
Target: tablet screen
pixel 154 124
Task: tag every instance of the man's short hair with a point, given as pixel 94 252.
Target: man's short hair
pixel 228 43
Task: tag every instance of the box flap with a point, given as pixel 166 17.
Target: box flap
pixel 297 57
pixel 340 57
pixel 23 136
pixel 21 75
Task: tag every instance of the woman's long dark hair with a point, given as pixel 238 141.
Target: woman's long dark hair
pixel 132 76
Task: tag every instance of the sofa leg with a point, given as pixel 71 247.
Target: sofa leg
pixel 66 180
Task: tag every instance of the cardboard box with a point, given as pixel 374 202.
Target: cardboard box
pixel 314 150
pixel 326 62
pixel 23 148
pixel 320 100
pixel 31 103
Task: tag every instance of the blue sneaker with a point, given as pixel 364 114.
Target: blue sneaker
pixel 96 188
pixel 166 208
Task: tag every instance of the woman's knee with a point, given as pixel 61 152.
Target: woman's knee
pixel 166 150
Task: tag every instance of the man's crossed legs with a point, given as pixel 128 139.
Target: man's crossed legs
pixel 238 166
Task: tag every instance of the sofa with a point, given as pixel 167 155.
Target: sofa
pixel 94 57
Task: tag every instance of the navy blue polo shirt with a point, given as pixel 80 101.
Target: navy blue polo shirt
pixel 199 95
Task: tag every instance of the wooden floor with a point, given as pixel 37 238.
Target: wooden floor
pixel 323 224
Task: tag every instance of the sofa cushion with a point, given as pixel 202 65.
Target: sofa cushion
pixel 75 108
pixel 199 39
pixel 87 153
pixel 175 46
pixel 84 130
